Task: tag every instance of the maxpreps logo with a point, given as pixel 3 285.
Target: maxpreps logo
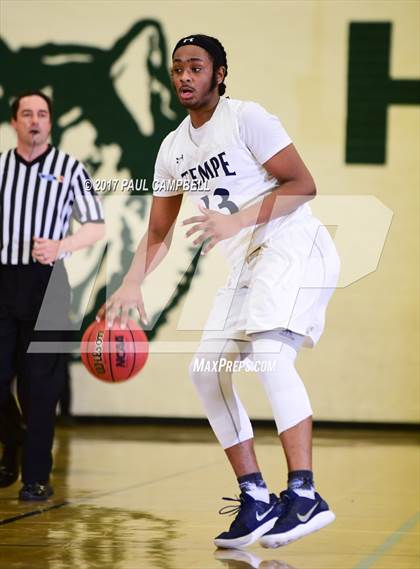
pixel 51 178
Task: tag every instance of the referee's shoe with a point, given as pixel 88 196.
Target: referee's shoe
pixel 9 466
pixel 253 519
pixel 300 516
pixel 35 492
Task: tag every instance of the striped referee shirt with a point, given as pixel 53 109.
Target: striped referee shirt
pixel 39 198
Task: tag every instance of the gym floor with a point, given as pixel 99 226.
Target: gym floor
pixel 147 497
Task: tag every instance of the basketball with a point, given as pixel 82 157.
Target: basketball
pixel 113 354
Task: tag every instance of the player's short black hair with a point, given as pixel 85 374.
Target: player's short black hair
pixel 14 107
pixel 215 50
pixel 219 61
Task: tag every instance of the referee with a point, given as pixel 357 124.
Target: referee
pixel 41 190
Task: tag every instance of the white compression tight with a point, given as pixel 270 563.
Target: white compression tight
pixel 274 360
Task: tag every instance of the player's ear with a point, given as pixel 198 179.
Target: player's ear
pixel 220 74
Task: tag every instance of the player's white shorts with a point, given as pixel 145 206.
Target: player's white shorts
pixel 285 283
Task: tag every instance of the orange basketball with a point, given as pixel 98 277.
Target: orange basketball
pixel 113 354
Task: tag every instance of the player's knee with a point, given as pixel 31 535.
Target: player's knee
pixel 201 372
pixel 286 422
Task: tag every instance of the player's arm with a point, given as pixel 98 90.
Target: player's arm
pixel 296 186
pixel 150 252
pixel 271 146
pixel 155 243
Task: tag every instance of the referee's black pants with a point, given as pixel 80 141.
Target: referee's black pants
pixel 40 376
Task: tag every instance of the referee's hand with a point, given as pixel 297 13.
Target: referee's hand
pixel 45 251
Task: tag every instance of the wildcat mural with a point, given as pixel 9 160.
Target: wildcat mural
pixel 112 108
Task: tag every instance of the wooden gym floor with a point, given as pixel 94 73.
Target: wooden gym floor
pixel 147 497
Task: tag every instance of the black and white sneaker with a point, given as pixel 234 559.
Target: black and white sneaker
pixel 300 516
pixel 253 519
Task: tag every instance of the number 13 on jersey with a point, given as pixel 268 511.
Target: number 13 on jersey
pixel 224 202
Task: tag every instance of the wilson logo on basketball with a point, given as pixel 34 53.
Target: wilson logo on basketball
pixel 114 355
pixel 120 351
pixel 97 354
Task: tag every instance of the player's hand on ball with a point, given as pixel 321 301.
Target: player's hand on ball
pixel 127 297
pixel 45 251
pixel 214 227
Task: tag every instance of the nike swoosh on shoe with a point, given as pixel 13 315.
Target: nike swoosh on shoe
pixel 305 517
pixel 259 518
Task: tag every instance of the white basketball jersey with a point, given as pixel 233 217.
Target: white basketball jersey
pixel 224 171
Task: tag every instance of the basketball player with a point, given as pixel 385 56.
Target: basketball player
pixel 252 199
pixel 41 188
